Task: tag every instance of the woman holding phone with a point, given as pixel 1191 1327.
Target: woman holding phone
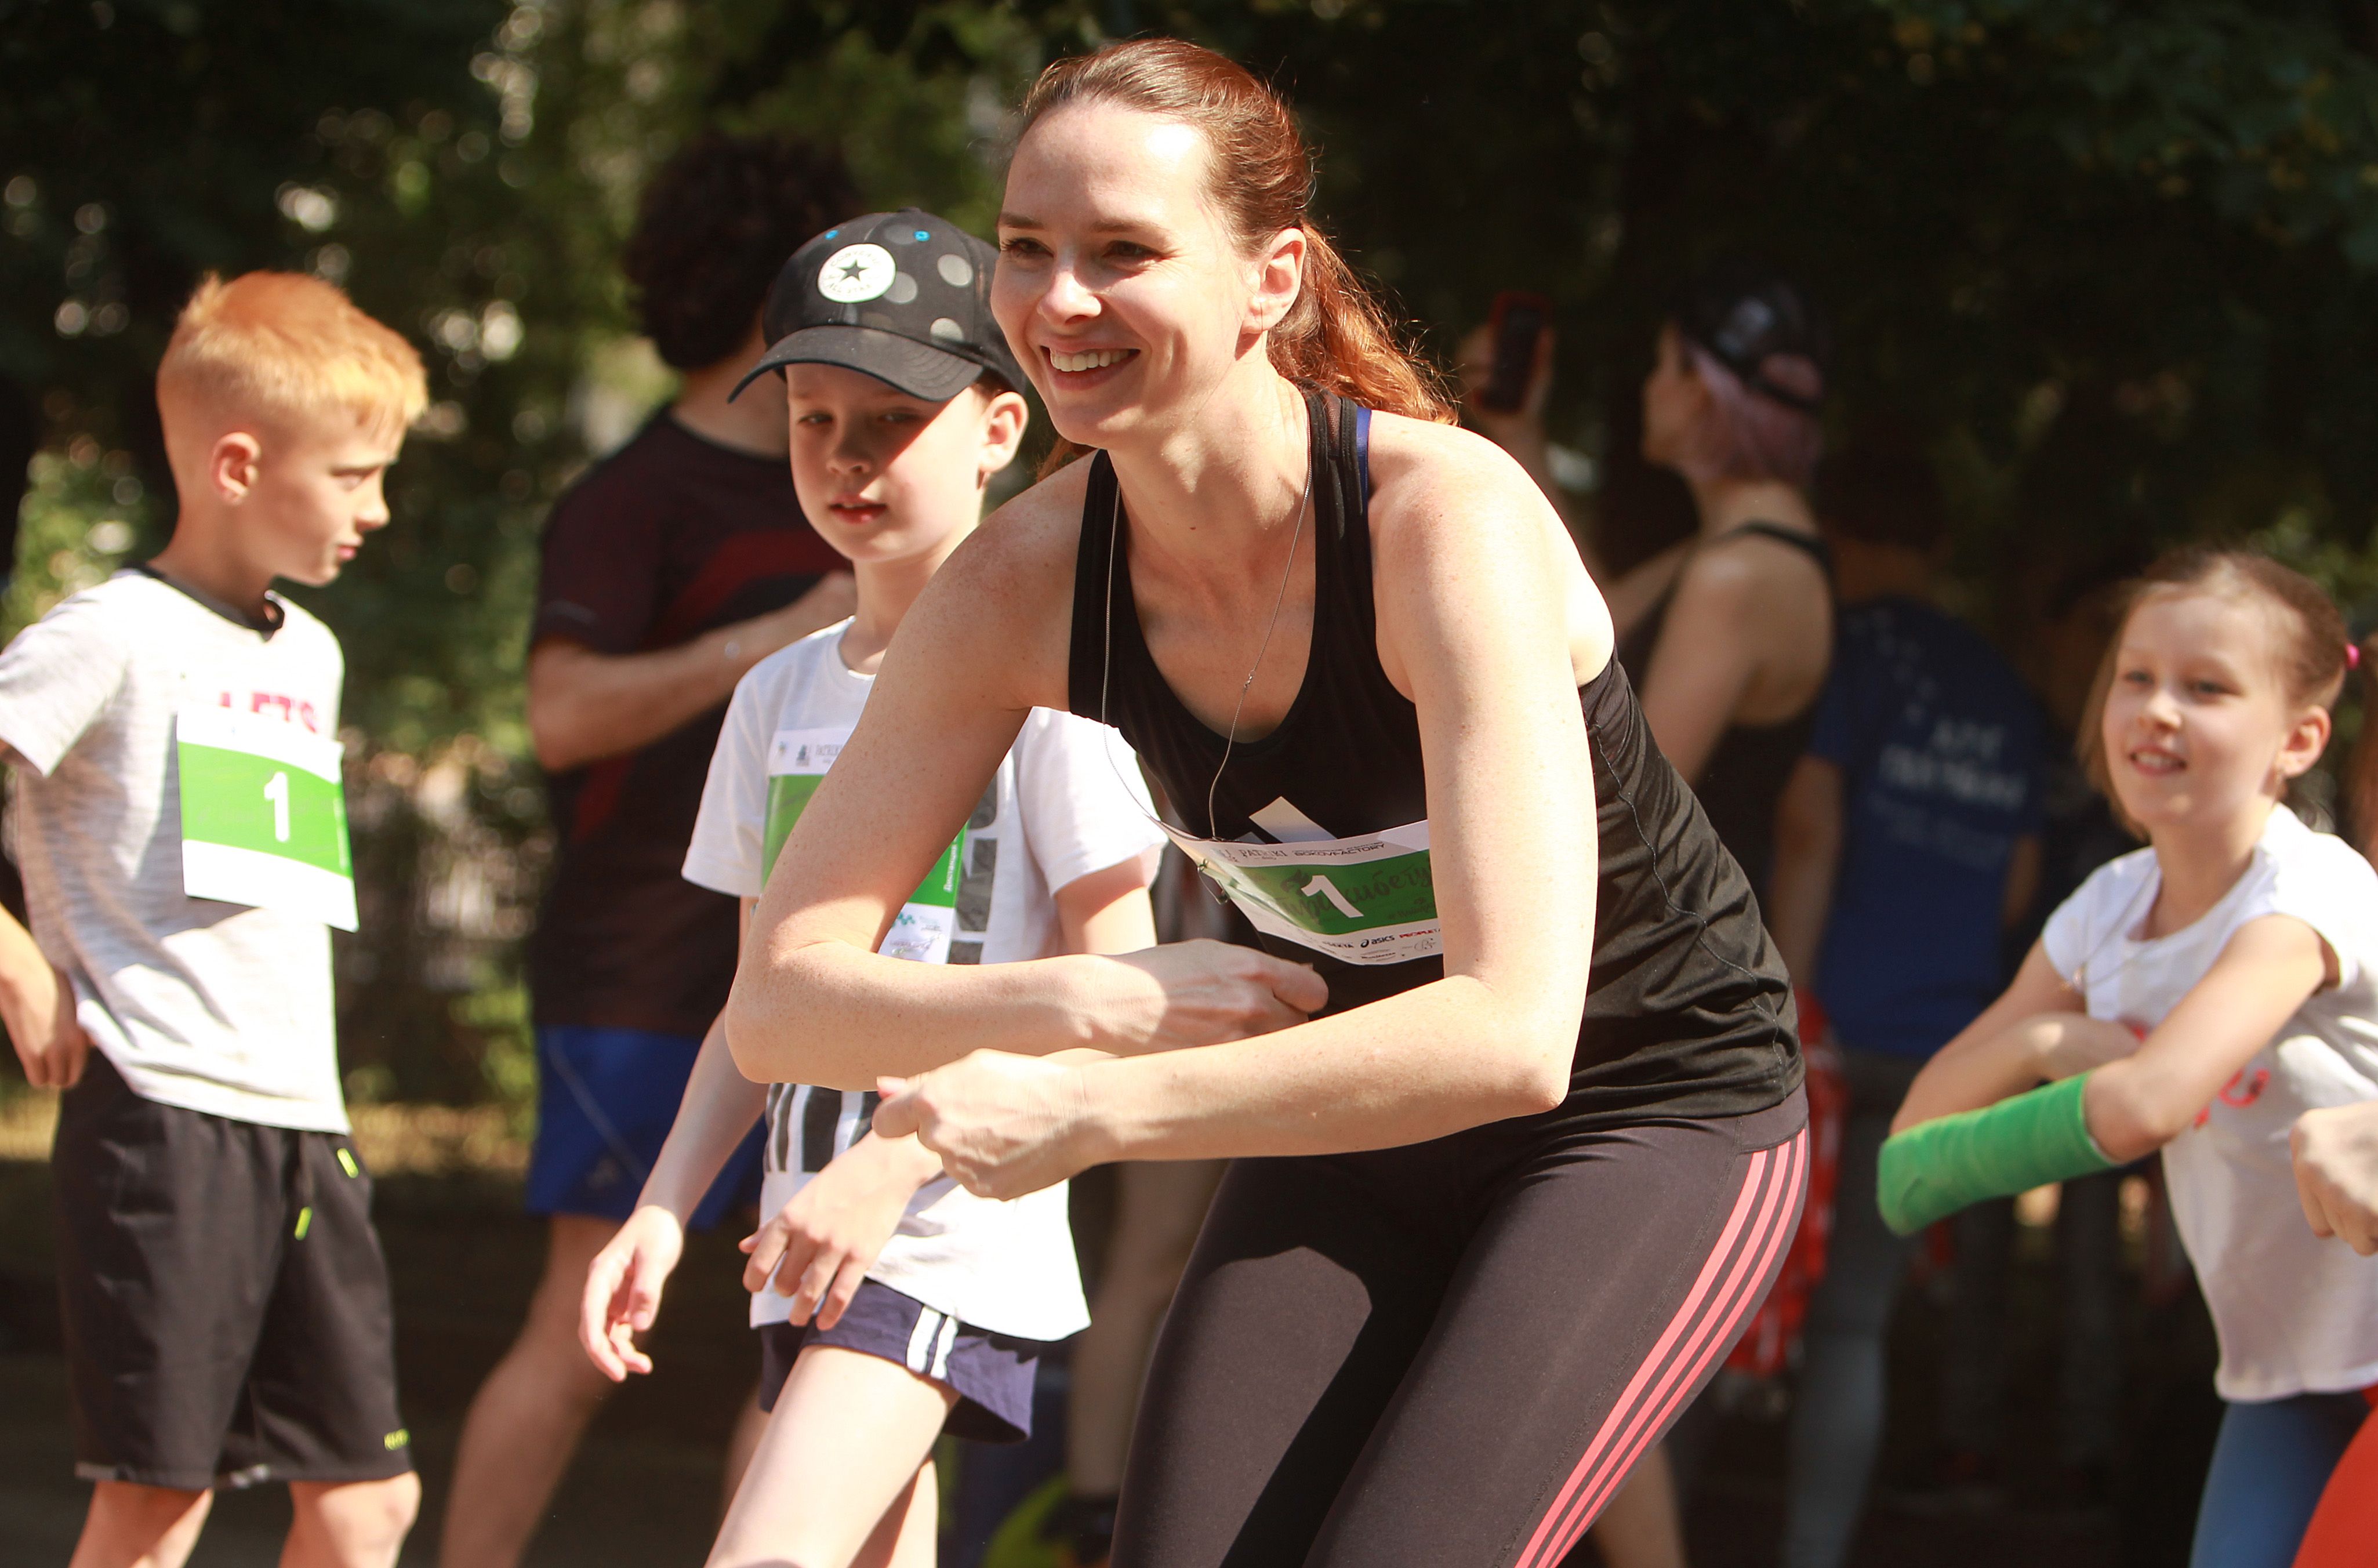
pixel 1513 1101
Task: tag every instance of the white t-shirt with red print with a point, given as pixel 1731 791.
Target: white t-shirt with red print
pixel 2295 1314
pixel 218 1008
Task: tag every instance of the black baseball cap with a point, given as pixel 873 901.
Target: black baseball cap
pixel 902 296
pixel 1743 313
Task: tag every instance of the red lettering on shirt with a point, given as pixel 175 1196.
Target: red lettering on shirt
pixel 292 710
pixel 2241 1092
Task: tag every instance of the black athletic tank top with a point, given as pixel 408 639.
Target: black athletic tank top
pixel 1745 775
pixel 1688 1010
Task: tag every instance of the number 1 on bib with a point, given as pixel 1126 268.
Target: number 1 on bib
pixel 264 817
pixel 276 790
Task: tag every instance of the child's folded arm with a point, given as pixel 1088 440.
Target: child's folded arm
pixel 1939 1161
pixel 2268 969
pixel 1998 1054
pixel 1931 1171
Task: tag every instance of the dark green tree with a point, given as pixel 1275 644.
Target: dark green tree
pixel 2118 264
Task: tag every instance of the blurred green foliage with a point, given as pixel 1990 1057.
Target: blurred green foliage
pixel 2117 265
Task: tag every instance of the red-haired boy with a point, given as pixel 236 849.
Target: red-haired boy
pixel 174 732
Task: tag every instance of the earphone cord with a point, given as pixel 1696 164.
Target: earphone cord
pixel 1106 669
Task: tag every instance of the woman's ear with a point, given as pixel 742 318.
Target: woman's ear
pixel 1005 417
pixel 1278 280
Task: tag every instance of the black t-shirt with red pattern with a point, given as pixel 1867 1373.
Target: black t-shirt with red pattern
pixel 671 536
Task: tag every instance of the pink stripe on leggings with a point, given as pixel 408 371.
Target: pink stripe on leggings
pixel 1710 1339
pixel 1649 1396
pixel 1745 1201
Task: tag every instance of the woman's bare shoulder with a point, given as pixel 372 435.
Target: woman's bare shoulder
pixel 1445 480
pixel 1423 451
pixel 1007 591
pixel 1755 559
pixel 1451 506
pixel 1026 548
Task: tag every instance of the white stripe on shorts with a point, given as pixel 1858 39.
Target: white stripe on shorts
pixel 949 1337
pixel 920 1340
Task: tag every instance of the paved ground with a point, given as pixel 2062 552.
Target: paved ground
pixel 646 1488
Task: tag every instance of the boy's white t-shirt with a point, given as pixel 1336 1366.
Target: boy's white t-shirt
pixel 212 1007
pixel 2295 1314
pixel 1067 800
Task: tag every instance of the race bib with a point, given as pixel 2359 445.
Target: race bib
pixel 264 817
pixel 921 930
pixel 1367 901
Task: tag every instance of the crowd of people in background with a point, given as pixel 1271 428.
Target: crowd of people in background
pixel 1837 835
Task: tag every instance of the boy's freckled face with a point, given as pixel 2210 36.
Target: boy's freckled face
pixel 316 492
pixel 882 475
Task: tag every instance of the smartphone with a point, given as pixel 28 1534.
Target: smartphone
pixel 1517 325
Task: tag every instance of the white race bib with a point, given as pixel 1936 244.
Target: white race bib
pixel 1367 900
pixel 264 815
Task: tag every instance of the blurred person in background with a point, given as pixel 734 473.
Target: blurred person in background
pixel 1726 637
pixel 1906 844
pixel 675 565
pixel 2078 834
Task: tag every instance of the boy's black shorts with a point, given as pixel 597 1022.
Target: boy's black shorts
pixel 226 1305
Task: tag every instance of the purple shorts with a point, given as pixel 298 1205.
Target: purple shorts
pixel 991 1373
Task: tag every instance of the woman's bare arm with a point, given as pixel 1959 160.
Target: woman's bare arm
pixel 1474 584
pixel 1705 658
pixel 814 1003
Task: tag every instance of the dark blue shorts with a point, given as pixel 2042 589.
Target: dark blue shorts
pixel 991 1373
pixel 604 1100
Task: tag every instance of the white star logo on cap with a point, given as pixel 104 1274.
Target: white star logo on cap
pixel 857 272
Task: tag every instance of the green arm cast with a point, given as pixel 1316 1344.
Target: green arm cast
pixel 1929 1172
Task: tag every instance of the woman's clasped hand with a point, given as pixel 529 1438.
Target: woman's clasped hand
pixel 1006 1125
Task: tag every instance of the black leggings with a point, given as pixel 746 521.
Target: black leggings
pixel 1448 1356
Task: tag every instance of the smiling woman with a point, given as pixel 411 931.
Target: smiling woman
pixel 1514 1091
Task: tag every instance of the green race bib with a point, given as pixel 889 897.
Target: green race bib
pixel 797 762
pixel 264 815
pixel 1367 901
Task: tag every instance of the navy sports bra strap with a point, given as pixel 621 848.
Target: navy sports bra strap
pixel 1341 495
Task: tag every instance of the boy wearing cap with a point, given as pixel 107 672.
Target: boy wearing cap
pixel 175 733
pixel 891 1304
pixel 677 563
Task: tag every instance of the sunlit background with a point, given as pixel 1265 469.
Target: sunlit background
pixel 2115 265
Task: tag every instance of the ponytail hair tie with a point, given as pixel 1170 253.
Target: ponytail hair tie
pixel 2353 655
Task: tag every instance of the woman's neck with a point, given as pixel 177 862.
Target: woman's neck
pixel 1726 505
pixel 1213 495
pixel 2199 866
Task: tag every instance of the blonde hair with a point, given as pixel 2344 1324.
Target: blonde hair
pixel 282 344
